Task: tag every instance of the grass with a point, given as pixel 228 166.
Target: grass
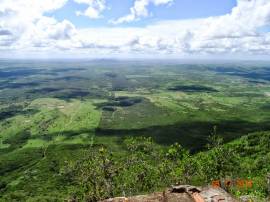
pixel 140 115
pixel 54 118
pixel 35 143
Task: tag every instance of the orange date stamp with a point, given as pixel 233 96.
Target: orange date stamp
pixel 239 183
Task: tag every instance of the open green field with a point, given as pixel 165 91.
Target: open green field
pixel 52 111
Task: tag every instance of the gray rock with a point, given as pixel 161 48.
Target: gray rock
pixel 181 193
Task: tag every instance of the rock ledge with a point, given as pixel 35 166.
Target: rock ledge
pixel 181 193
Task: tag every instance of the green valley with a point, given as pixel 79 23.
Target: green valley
pixel 183 122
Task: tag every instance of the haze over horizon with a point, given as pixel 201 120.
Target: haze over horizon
pixel 165 29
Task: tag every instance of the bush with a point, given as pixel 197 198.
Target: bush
pixel 146 167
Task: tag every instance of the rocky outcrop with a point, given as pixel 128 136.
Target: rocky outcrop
pixel 182 193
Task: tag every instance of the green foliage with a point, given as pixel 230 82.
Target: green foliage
pixel 94 174
pixel 177 152
pixel 18 140
pixel 139 144
pixel 97 105
pixel 218 165
pixel 142 168
pixel 145 167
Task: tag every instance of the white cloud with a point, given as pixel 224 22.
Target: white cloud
pixel 94 10
pixel 140 10
pixel 24 28
pixel 56 30
pixel 236 32
pixel 4 32
pixel 28 9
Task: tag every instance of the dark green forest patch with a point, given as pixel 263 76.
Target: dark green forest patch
pixel 110 74
pixel 64 70
pixel 14 110
pixel 260 73
pixel 120 102
pixel 18 140
pixel 70 94
pixel 192 135
pixel 19 72
pixel 192 88
pixel 265 107
pixel 13 85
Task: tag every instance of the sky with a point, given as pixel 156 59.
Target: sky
pixel 178 29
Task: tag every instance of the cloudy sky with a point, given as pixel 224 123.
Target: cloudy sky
pixel 135 29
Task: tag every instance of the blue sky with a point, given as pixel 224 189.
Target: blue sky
pixel 181 9
pixel 177 29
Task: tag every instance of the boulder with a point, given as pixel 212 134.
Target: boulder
pixel 181 193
